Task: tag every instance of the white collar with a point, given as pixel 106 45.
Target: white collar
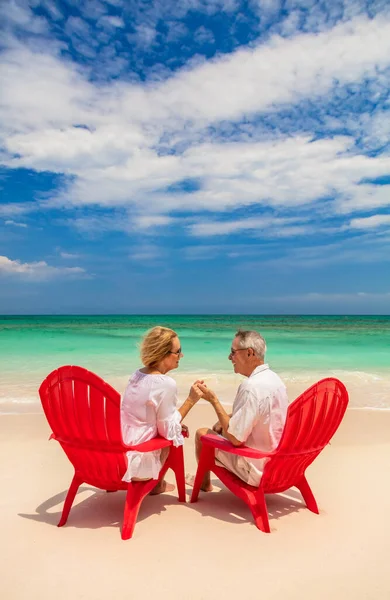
pixel 259 369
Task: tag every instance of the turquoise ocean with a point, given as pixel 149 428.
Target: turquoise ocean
pixel 302 349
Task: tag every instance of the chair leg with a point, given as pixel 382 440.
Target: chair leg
pixel 134 496
pixel 206 459
pixel 178 467
pixel 74 486
pixel 308 495
pixel 260 512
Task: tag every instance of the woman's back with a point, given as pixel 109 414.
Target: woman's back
pixel 144 398
pixel 149 402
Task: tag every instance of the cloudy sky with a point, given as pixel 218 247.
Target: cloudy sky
pixel 195 156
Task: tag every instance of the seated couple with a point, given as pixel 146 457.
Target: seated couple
pixel 149 407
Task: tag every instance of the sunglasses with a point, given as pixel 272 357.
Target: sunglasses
pixel 175 352
pixel 233 351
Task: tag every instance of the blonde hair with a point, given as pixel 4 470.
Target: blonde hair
pixel 156 344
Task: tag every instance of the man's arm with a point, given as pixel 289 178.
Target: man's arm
pixel 217 427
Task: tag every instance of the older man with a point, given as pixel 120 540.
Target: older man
pixel 259 410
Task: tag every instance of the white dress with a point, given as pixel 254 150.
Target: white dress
pixel 148 408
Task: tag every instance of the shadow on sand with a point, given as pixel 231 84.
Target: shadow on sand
pixel 101 509
pixel 225 506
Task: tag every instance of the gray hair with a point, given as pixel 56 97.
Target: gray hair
pixel 252 339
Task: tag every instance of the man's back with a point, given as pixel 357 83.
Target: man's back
pixel 259 414
pixel 259 409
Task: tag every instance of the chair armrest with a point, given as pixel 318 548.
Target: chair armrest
pixel 216 441
pixel 156 443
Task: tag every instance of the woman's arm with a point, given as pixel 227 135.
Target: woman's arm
pixel 193 397
pixel 169 418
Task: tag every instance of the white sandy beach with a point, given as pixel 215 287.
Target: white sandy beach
pixel 199 551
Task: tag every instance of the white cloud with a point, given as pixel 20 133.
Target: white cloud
pixel 122 221
pixel 377 129
pixel 15 14
pixel 262 226
pixel 368 248
pixel 243 82
pixel 92 9
pixel 93 225
pixel 176 31
pixel 68 255
pixel 15 223
pixel 77 27
pixel 111 21
pixel 291 172
pixel 39 91
pixel 82 36
pixel 281 71
pixel 15 209
pixel 144 36
pixel 267 6
pixel 348 297
pixel 202 252
pixel 204 36
pixel 370 222
pixel 73 150
pixel 117 158
pixel 52 9
pixel 366 197
pixel 37 271
pixel 147 253
pixel 209 252
pixel 340 301
pixel 148 221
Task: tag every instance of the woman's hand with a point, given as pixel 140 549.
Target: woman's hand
pixel 207 394
pixel 217 428
pixel 195 392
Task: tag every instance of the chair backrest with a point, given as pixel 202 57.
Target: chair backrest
pixel 312 419
pixel 83 412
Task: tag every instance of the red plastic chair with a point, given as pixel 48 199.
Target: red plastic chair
pixel 83 412
pixel 312 419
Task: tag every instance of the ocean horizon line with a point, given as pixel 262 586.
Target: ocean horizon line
pixel 190 314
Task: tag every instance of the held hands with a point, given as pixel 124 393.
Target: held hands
pixel 195 392
pixel 207 394
pixel 200 390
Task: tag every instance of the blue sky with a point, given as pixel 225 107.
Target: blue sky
pixel 195 156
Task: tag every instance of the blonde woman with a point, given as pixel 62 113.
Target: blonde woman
pixel 149 405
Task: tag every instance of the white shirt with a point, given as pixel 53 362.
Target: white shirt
pixel 148 408
pixel 259 414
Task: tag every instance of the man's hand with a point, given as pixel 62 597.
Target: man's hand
pixel 207 394
pixel 217 428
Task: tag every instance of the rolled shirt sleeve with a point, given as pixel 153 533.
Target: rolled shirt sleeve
pixel 244 418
